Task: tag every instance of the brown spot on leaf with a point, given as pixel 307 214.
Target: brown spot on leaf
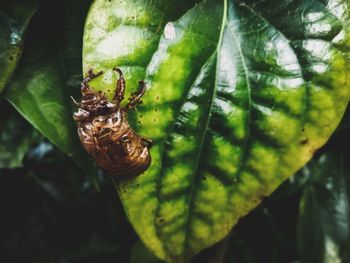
pixel 304 141
pixel 161 220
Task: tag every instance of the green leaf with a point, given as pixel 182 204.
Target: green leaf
pixel 14 19
pixel 16 136
pixel 140 253
pixel 40 89
pixel 240 96
pixel 324 219
pixel 37 95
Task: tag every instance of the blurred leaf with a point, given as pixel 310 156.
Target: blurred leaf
pixel 40 91
pixel 14 18
pixel 292 185
pixel 324 220
pixel 50 215
pixel 16 135
pixel 240 96
pixel 38 94
pixel 255 239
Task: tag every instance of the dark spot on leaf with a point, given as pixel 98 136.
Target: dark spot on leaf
pixel 160 220
pixel 204 178
pixel 304 141
pixel 157 98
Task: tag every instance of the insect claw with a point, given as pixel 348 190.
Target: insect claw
pixel 147 142
pixel 120 89
pixel 75 102
pixel 91 75
pixel 119 71
pixel 98 73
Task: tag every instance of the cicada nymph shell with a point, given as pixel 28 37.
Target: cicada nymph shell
pixel 104 130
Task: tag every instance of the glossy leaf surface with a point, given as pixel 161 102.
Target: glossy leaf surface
pixel 14 19
pixel 36 93
pixel 240 95
pixel 324 220
pixel 40 88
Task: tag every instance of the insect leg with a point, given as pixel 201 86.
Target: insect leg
pixel 91 75
pixel 148 142
pixel 120 89
pixel 77 104
pixel 136 98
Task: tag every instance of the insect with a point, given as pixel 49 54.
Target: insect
pixel 104 130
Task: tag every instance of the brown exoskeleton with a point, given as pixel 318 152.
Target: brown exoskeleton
pixel 104 130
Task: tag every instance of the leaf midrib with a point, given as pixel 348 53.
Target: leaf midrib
pixel 205 130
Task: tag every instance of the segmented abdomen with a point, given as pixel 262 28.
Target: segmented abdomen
pixel 119 150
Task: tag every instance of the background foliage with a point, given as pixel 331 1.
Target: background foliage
pixel 51 211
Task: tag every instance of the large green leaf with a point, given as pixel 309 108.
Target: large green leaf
pixel 324 220
pixel 240 96
pixel 140 253
pixel 14 18
pixel 37 95
pixel 40 87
